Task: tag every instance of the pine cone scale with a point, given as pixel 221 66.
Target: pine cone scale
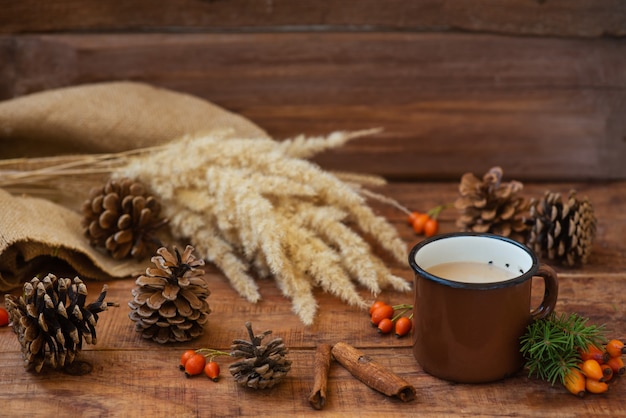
pixel 183 307
pixel 109 202
pixel 171 291
pixel 194 301
pixel 166 310
pixel 156 300
pixel 151 280
pixel 488 215
pixel 145 311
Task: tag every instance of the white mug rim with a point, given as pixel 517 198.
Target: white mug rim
pixel 421 271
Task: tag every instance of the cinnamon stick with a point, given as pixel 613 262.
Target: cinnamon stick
pixel 371 373
pixel 321 365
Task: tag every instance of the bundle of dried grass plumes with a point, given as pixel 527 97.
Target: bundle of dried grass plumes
pixel 258 205
pixel 258 208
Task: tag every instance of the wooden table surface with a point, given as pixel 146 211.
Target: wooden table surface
pixel 133 377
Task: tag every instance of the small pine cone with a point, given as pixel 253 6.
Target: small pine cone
pixel 490 205
pixel 262 366
pixel 562 231
pixel 122 218
pixel 51 320
pixel 169 302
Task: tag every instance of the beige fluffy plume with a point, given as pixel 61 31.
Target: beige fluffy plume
pixel 257 206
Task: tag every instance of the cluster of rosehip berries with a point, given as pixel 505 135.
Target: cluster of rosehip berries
pixel 389 318
pixel 598 367
pixel 195 362
pixel 425 223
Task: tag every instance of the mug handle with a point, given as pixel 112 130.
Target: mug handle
pixel 550 293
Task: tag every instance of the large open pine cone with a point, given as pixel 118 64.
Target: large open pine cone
pixel 261 366
pixel 491 205
pixel 562 231
pixel 169 302
pixel 51 320
pixel 122 218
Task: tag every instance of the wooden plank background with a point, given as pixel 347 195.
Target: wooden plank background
pixel 538 87
pixel 577 18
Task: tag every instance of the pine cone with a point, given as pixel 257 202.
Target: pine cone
pixel 490 205
pixel 262 366
pixel 562 231
pixel 169 302
pixel 122 218
pixel 51 321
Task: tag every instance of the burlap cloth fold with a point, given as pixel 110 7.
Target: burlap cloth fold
pixel 94 118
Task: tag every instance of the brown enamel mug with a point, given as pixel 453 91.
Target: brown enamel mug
pixel 472 303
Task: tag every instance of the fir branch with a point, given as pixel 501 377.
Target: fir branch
pixel 551 346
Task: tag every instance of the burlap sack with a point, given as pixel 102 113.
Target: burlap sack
pixel 95 118
pixel 37 234
pixel 107 117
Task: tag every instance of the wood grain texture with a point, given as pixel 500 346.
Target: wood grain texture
pixel 449 103
pixel 134 377
pixel 577 18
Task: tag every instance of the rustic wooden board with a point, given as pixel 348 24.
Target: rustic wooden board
pixel 128 383
pixel 449 103
pixel 584 18
pixel 132 376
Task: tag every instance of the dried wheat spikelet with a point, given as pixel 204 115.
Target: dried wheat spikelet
pixel 257 205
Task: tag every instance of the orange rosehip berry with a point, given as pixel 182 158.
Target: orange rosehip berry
pixel 4 317
pixel 593 352
pixel 412 216
pixel 574 382
pixel 376 305
pixel 212 370
pixel 380 313
pixel 385 326
pixel 595 386
pixel 403 326
pixel 607 371
pixel 195 365
pixel 431 227
pixel 617 364
pixel 419 222
pixel 186 356
pixel 591 369
pixel 615 348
